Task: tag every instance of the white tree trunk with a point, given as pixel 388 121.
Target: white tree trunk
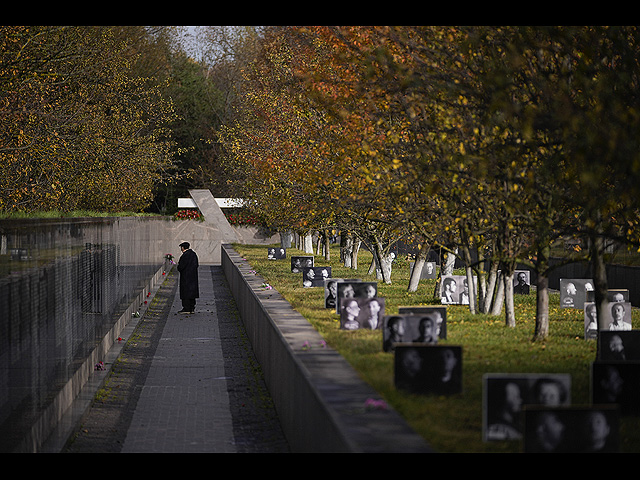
pixel 286 239
pixel 449 263
pixel 496 308
pixel 308 243
pixel 472 290
pixel 510 313
pixel 421 258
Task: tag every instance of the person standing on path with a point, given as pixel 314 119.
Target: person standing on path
pixel 188 268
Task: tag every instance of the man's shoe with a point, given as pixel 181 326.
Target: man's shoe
pixel 184 311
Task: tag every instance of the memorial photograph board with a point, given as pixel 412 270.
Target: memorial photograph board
pixel 428 369
pixel 438 312
pixel 573 292
pixel 315 276
pixel 408 328
pixel 521 282
pixel 616 382
pixel 613 295
pixel 616 316
pixel 429 270
pixel 276 253
pixel 572 429
pixel 299 262
pixel 331 291
pixel 505 395
pixel 361 313
pixel 590 321
pixel 450 286
pixel 351 289
pixel 619 346
pixel 454 289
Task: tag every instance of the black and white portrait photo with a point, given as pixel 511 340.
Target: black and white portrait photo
pixel 505 396
pixel 299 262
pixel 428 369
pixel 361 313
pixel 454 289
pixel 351 289
pixel 331 292
pixel 437 312
pixel 616 382
pixel 410 328
pixel 590 321
pixel 276 253
pixel 617 295
pixel 616 317
pixel 315 276
pixel 573 292
pixel 450 289
pixel 521 282
pixel 429 270
pixel 574 429
pixel 393 331
pixel 619 346
pixel 613 295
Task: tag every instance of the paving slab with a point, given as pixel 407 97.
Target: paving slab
pixel 187 384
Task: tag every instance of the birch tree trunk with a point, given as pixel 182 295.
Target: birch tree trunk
pixel 541 331
pixel 421 258
pixel 498 301
pixel 599 275
pixel 354 254
pixel 286 239
pixel 472 289
pixel 510 313
pixel 450 262
pixel 382 262
pixel 327 246
pixel 491 287
pixel 471 285
pixel 346 249
pixel 308 243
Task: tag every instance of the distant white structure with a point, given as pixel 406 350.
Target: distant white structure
pixel 207 236
pixel 222 202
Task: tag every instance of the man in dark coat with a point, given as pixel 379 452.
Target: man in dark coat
pixel 188 268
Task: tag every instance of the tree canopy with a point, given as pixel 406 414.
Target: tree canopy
pixel 501 139
pixel 79 127
pixel 497 140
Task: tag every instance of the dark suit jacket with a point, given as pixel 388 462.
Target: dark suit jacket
pixel 188 268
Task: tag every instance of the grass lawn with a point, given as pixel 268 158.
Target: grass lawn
pixel 448 423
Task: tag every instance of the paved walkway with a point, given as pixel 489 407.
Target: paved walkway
pixel 185 383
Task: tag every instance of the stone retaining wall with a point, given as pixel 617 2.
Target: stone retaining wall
pixel 67 287
pixel 320 399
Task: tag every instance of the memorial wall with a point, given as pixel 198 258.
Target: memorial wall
pixel 63 285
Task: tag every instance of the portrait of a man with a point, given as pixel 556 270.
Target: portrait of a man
pixel 521 282
pixel 428 369
pixel 573 292
pixel 315 276
pixel 616 317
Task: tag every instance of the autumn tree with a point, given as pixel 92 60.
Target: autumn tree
pixel 571 95
pixel 79 130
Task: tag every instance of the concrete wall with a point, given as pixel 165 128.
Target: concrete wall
pixel 68 287
pixel 320 399
pixel 206 237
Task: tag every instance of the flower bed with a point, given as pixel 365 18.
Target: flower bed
pixel 188 214
pixel 240 217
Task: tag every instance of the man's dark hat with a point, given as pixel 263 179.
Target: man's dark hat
pixel 184 244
